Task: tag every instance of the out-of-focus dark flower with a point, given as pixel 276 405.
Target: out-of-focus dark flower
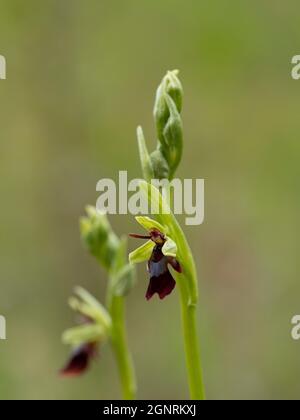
pixel 160 251
pixel 79 360
pixel 94 328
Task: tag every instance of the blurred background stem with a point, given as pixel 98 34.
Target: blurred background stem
pixel 116 307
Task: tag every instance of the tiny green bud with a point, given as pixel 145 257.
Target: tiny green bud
pixel 174 88
pixel 173 135
pixel 171 86
pixel 99 237
pixel 159 164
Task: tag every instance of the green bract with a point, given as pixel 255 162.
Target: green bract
pixel 89 306
pixel 150 224
pixel 147 166
pixel 86 333
pixel 143 253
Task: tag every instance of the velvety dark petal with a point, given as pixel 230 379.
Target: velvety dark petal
pixel 79 360
pixel 162 285
pixel 175 264
pixel 161 280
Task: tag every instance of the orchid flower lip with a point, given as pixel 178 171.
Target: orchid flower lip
pixel 79 360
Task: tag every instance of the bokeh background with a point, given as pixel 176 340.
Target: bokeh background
pixel 81 75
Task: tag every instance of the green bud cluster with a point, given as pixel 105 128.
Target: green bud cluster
pixel 110 251
pixel 99 237
pixel 163 162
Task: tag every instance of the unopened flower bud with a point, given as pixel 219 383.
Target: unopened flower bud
pixel 171 86
pixel 167 108
pixel 163 162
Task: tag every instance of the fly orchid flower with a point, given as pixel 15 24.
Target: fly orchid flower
pixel 160 251
pixel 85 338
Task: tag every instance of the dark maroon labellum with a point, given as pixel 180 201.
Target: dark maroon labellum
pixel 79 360
pixel 161 280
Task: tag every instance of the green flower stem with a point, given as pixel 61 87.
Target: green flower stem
pixel 188 288
pixel 115 305
pixel 188 300
pixel 191 342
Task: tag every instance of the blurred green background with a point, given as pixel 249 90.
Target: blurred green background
pixel 81 75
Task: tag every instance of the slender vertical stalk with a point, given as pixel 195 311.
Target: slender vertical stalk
pixel 115 305
pixel 188 289
pixel 191 343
